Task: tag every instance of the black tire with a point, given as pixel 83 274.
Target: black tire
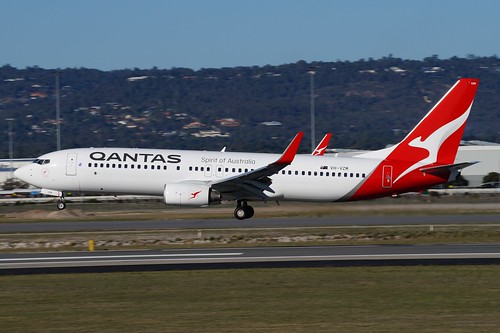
pixel 240 213
pixel 249 212
pixel 61 205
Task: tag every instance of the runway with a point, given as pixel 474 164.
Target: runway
pixel 76 226
pixel 252 257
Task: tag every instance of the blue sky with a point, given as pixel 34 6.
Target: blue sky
pixel 117 34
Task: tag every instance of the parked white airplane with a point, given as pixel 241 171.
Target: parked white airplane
pixel 424 158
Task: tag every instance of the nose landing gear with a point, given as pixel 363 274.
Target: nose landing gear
pixel 243 210
pixel 61 204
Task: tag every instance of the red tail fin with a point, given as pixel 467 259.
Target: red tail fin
pixel 321 147
pixel 435 140
pixel 439 133
pixel 432 143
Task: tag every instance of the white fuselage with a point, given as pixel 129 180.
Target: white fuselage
pixel 148 171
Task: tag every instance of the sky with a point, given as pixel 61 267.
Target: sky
pixel 120 34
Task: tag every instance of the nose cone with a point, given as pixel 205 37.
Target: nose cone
pixel 23 173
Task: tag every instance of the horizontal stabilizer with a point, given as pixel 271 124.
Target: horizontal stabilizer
pixel 447 168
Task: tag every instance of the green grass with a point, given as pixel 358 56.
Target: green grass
pixel 376 299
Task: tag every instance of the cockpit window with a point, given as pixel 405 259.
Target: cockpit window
pixel 41 161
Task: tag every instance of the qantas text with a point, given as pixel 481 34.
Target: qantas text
pixel 136 157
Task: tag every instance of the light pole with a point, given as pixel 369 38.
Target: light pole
pixel 58 114
pixel 11 147
pixel 313 121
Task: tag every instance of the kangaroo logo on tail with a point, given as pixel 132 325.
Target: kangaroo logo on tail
pixel 433 143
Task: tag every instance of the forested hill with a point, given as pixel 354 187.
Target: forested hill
pixel 366 104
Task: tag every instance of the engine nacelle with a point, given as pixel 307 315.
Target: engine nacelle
pixel 188 194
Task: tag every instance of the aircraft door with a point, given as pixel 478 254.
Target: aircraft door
pixel 71 164
pixel 387 176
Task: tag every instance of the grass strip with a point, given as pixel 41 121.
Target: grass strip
pixel 160 239
pixel 356 299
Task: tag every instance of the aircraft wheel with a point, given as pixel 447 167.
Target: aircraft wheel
pixel 240 213
pixel 61 205
pixel 249 211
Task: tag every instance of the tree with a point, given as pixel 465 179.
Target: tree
pixel 13 183
pixel 491 178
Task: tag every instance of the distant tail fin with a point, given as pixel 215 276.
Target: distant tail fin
pixel 321 148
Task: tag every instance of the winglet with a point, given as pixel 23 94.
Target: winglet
pixel 321 148
pixel 290 151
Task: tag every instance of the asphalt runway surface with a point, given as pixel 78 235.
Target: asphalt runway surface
pixel 334 221
pixel 313 256
pixel 230 258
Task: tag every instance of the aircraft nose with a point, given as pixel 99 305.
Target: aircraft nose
pixel 23 173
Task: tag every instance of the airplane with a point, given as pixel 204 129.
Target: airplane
pixel 321 147
pixel 424 158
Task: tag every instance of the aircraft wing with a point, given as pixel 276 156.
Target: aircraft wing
pixel 253 183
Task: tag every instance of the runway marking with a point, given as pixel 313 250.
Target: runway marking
pixel 185 256
pixel 134 256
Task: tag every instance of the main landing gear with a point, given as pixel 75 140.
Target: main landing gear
pixel 243 210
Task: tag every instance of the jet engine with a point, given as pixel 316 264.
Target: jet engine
pixel 190 194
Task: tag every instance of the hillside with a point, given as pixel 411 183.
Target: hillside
pixel 367 104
